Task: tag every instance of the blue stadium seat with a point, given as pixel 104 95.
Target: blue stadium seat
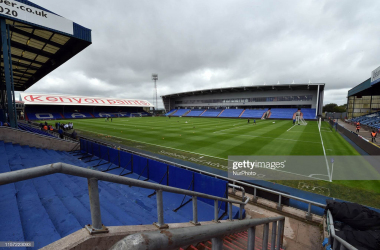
pixel 48 208
pixel 253 113
pixel 287 113
pixel 77 115
pixel 231 113
pixel 180 112
pixel 195 112
pixel 211 113
pixel 44 116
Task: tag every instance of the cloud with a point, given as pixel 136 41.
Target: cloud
pixel 193 44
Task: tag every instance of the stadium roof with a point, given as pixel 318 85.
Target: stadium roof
pixel 312 86
pixel 52 99
pixel 41 41
pixel 365 89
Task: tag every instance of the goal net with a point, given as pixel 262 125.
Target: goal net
pixel 135 115
pixel 300 120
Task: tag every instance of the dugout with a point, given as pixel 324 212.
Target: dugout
pixel 364 98
pixel 35 41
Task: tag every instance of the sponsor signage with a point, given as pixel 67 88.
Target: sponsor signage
pixel 375 76
pixel 24 12
pixel 46 99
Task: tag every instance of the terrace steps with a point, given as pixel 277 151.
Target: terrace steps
pixel 48 208
pixel 242 113
pixel 237 241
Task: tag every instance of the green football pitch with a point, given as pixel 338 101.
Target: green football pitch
pixel 210 141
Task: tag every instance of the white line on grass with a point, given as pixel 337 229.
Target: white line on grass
pixel 291 127
pixel 276 138
pixel 238 127
pixel 324 152
pixel 198 154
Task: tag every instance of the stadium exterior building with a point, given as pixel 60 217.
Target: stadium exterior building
pixel 279 96
pixel 53 107
pixel 364 98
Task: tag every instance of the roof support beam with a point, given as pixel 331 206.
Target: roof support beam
pixel 25 59
pixel 30 35
pixel 17 70
pixel 31 49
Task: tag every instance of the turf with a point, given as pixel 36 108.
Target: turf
pixel 210 141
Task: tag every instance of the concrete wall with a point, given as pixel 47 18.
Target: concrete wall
pixel 250 94
pixel 34 140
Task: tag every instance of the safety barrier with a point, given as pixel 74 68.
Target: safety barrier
pixel 176 238
pixel 93 176
pixel 281 195
pixel 334 240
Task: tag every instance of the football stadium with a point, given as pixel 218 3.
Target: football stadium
pixel 249 167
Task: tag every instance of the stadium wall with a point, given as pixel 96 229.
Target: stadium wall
pixel 273 95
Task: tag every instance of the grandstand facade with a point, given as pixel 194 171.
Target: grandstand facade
pixel 265 101
pixel 363 99
pixel 55 107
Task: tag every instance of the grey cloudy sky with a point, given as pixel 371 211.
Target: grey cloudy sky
pixel 195 44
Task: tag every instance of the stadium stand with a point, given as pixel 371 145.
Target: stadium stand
pixel 371 120
pixel 180 112
pixel 253 113
pixel 231 113
pixel 212 112
pixel 170 112
pixel 308 113
pixel 287 113
pixel 76 115
pixel 34 130
pixel 44 116
pixel 195 112
pixel 51 207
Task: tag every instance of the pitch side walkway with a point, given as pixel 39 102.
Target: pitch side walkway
pixel 363 131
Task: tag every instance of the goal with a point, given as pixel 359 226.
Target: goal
pixel 300 120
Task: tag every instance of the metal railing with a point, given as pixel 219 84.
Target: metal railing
pixel 233 181
pixel 180 237
pixel 335 241
pixel 93 176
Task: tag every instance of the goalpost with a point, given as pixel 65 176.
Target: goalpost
pixel 299 119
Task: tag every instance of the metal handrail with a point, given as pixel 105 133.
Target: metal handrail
pixel 342 244
pixel 281 194
pixel 93 176
pixel 179 237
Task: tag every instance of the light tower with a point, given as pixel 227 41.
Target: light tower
pixel 155 78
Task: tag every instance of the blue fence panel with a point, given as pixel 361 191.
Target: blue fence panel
pixel 139 164
pixel 96 149
pixel 83 146
pixel 114 156
pixel 104 153
pixel 126 160
pixel 210 185
pixel 157 172
pixel 180 178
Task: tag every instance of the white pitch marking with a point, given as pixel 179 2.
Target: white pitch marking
pixel 276 138
pixel 200 154
pixel 324 152
pixel 291 127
